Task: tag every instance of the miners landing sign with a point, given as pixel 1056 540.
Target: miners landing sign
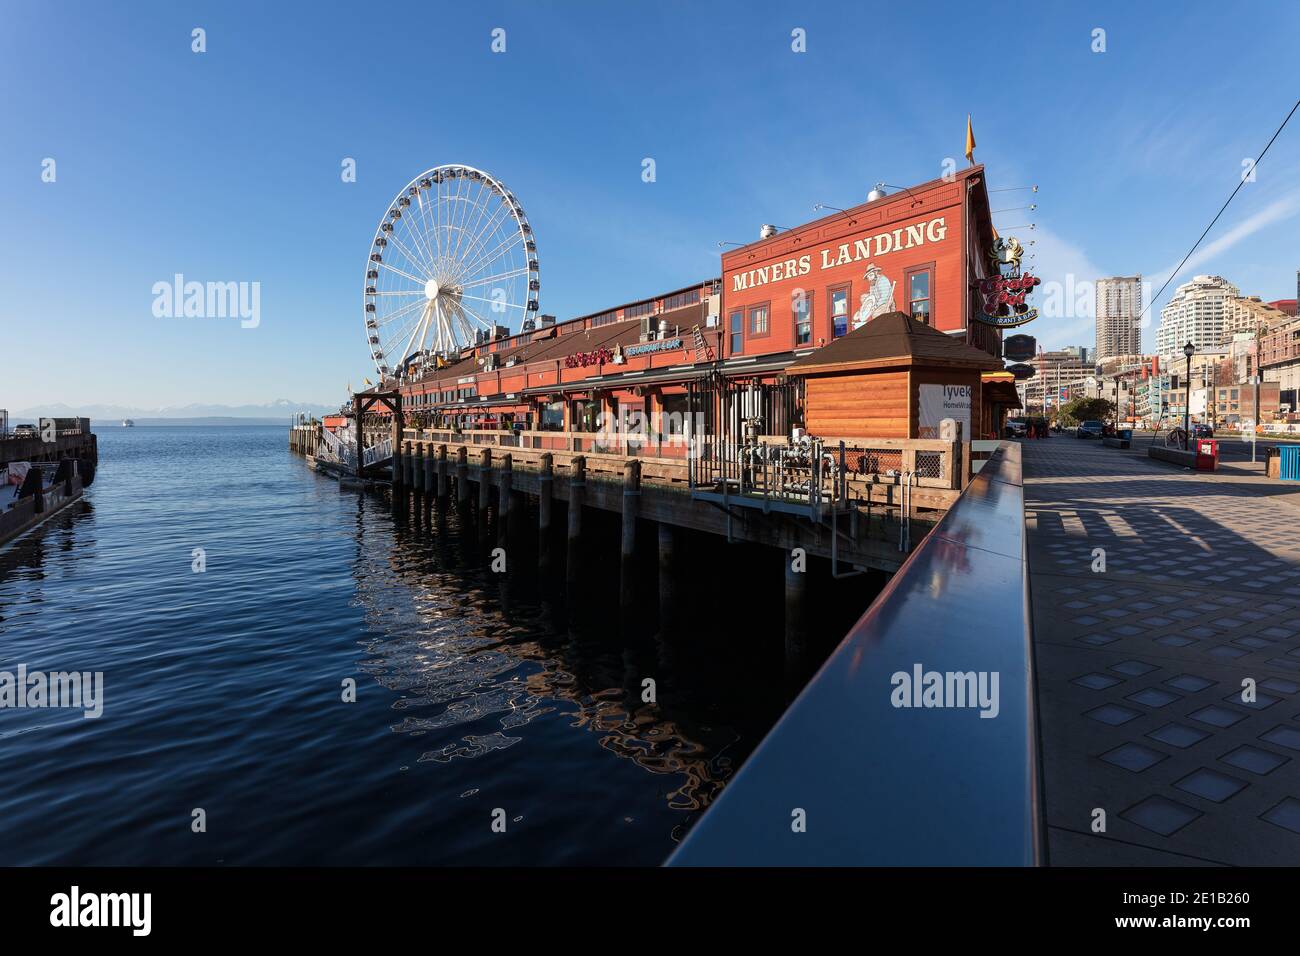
pixel 897 240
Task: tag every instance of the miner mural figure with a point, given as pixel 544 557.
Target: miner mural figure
pixel 877 300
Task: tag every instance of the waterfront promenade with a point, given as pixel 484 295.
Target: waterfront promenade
pixel 1140 666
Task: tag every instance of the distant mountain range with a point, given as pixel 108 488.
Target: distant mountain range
pixel 280 410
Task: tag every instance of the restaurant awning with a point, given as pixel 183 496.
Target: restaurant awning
pixel 623 380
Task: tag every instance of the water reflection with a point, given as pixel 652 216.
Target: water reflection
pixel 475 657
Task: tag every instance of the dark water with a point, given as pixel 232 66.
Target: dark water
pixel 475 690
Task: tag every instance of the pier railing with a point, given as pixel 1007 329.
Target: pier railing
pixel 926 463
pixel 916 742
pixel 629 445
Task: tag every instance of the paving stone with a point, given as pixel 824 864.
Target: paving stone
pixel 1204 576
pixel 1283 736
pixel 1254 759
pixel 1286 814
pixel 1099 640
pixel 1189 683
pixel 1113 714
pixel 1260 702
pixel 1178 735
pixel 1133 668
pixel 1096 681
pixel 1211 785
pixel 1279 685
pixel 1217 716
pixel 1253 642
pixel 1161 815
pixel 1133 757
pixel 1153 697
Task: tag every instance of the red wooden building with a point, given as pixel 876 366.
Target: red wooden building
pixel 920 251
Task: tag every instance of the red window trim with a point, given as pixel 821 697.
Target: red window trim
pixel 749 320
pixel 810 295
pixel 732 313
pixel 848 309
pixel 907 288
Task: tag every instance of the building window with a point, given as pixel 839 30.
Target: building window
pixel 674 410
pixel 552 417
pixel 736 326
pixel 758 324
pixel 802 309
pixel 839 299
pixel 919 294
pixel 682 299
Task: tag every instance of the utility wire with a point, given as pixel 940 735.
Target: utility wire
pixel 1197 243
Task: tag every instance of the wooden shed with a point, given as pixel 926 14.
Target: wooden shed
pixel 894 377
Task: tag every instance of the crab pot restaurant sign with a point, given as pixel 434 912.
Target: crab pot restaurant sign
pixel 595 357
pixel 938 402
pixel 1002 296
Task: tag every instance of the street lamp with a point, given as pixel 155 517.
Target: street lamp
pixel 1189 350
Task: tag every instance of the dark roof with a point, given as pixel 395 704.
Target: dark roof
pixel 894 339
pixel 551 345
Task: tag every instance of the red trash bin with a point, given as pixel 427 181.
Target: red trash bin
pixel 1207 454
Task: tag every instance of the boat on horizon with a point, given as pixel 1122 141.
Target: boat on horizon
pixel 127 423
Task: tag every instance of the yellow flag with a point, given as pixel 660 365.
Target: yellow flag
pixel 367 381
pixel 970 142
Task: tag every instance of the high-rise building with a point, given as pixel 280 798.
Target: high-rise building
pixel 1248 314
pixel 1194 314
pixel 1119 311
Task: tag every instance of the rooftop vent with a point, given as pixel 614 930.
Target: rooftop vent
pixel 766 231
pixel 877 193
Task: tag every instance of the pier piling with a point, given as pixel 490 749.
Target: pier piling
pixel 544 484
pixel 442 472
pixel 417 469
pixel 484 482
pixel 667 575
pixel 462 475
pixel 627 555
pixel 796 624
pixel 573 557
pixel 504 497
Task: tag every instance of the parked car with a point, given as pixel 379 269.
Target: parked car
pixel 1201 430
pixel 1089 429
pixel 1016 429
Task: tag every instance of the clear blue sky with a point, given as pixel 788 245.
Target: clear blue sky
pixel 225 165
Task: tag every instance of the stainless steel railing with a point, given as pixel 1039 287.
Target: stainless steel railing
pixel 855 772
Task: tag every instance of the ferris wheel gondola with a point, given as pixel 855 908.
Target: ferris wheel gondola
pixel 452 263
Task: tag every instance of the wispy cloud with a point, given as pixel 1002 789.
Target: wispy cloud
pixel 1279 210
pixel 1065 298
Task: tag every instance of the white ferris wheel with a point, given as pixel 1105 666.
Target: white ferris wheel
pixel 452 261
